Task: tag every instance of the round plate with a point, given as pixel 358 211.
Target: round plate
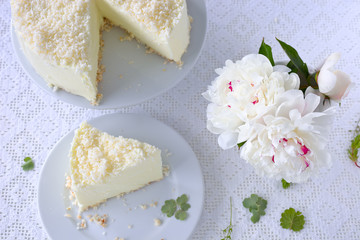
pixel 131 75
pixel 185 178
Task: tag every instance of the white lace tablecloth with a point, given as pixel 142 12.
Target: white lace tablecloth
pixel 31 122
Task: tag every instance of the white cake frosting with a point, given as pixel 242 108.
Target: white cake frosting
pixel 104 166
pixel 61 38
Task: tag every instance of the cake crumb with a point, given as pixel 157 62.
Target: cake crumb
pixel 157 222
pixel 82 224
pixel 127 37
pixel 68 215
pixel 166 170
pixel 68 208
pixel 100 220
pixel 191 19
pixel 154 204
pixel 130 226
pixel 79 216
pixel 107 25
pixel 68 182
pixel 143 206
pixel 165 62
pixel 121 76
pixel 149 50
pixel 180 64
pixel 164 70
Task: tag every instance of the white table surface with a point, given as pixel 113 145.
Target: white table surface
pixel 31 122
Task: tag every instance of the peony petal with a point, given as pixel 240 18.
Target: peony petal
pixel 227 140
pixel 210 126
pixel 293 82
pixel 281 68
pixel 342 87
pixel 311 103
pixel 326 81
pixel 289 100
pixel 330 61
pixel 311 90
pixel 294 115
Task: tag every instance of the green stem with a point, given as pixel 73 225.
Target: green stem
pixel 230 211
pixel 355 133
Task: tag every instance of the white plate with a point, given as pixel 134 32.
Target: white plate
pixel 145 79
pixel 185 177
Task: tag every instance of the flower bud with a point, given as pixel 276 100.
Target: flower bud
pixel 333 83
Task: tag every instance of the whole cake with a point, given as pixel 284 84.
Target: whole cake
pixel 103 166
pixel 61 38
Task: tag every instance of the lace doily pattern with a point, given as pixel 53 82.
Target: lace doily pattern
pixel 31 122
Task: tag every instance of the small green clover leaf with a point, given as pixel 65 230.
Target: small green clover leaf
pixel 169 207
pixel 256 206
pixel 181 215
pixel 178 207
pixel 28 165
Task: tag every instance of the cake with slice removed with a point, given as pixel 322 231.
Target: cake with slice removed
pixel 103 166
pixel 61 38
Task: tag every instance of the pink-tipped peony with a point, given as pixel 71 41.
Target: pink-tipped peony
pixel 243 92
pixel 291 142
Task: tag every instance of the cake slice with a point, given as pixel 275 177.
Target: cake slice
pixel 162 25
pixel 103 166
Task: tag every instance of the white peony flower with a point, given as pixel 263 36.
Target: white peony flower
pixel 242 93
pixel 291 141
pixel 333 83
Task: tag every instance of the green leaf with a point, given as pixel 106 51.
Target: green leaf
pixel 181 215
pixel 28 165
pixel 285 184
pixel 169 207
pixel 251 202
pixel 312 81
pixel 266 51
pixel 262 204
pixel 182 199
pixel 355 144
pixel 178 207
pixel 292 67
pixel 255 217
pixel 241 144
pixel 185 206
pixel 295 58
pixel 256 206
pixel 291 219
